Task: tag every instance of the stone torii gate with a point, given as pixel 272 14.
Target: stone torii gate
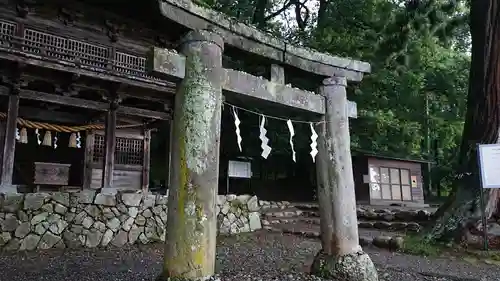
pixel 191 226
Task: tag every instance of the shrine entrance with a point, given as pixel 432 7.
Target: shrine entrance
pixel 115 70
pixel 205 84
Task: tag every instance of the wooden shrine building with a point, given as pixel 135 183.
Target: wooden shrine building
pixel 69 76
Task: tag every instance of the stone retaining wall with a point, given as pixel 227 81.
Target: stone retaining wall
pixel 88 219
pixel 238 214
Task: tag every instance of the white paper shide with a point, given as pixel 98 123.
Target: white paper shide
pixel 237 123
pixel 266 149
pixel 38 137
pixel 292 133
pixel 314 144
pixel 55 141
pixel 78 140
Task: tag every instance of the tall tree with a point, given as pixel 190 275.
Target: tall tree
pixel 481 124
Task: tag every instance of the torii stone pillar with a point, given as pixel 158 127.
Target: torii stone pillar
pixel 192 222
pixel 341 257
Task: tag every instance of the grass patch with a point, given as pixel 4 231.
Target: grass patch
pixel 493 255
pixel 415 245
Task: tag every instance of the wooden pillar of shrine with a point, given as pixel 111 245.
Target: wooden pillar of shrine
pixel 109 149
pixel 9 143
pixel 146 163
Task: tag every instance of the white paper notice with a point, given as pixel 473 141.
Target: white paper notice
pixel 239 169
pixel 489 161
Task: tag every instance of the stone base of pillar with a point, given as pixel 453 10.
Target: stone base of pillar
pixel 8 189
pixel 352 267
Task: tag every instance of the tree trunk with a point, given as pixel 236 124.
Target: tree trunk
pixel 323 5
pixel 481 125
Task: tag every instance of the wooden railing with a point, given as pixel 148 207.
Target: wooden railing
pixel 31 41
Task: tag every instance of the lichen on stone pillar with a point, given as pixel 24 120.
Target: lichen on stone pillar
pixel 191 225
pixel 341 257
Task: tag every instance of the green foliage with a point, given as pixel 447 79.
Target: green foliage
pixel 411 61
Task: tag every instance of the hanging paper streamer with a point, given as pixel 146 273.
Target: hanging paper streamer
pixel 18 136
pixel 78 140
pixel 24 136
pixel 72 140
pixel 47 139
pixel 292 133
pixel 314 144
pixel 237 123
pixel 55 141
pixel 266 149
pixel 38 137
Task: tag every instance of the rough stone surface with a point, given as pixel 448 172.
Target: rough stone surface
pixel 23 230
pixel 30 242
pixel 12 203
pixel 131 199
pixel 352 267
pixel 48 240
pixel 86 219
pixel 34 201
pixel 105 200
pixel 10 223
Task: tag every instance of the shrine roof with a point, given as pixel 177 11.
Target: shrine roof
pixel 253 40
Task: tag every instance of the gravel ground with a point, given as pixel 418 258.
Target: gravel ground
pixel 257 257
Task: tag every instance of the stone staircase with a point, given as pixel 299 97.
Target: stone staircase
pixel 303 219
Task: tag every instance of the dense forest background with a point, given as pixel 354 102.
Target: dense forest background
pixel 413 104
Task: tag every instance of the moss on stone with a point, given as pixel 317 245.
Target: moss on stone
pixel 190 245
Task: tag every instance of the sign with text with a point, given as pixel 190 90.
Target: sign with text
pixel 489 165
pixel 352 109
pixel 240 169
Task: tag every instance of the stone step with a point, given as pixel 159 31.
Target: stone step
pixel 387 240
pixel 382 225
pixel 374 213
pixel 310 233
pixel 285 220
pixel 274 204
pixel 279 213
pixel 391 215
pixel 306 206
pixel 403 216
pixel 393 226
